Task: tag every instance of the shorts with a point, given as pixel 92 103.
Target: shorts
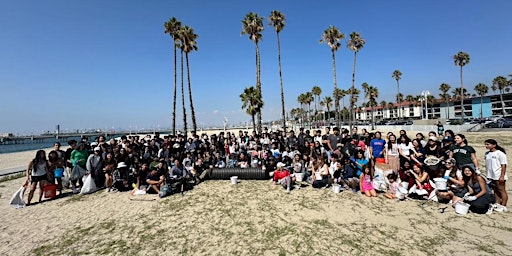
pixel 38 178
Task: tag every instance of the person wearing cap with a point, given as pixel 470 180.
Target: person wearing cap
pixel 433 149
pixel 455 183
pixel 282 176
pixel 94 166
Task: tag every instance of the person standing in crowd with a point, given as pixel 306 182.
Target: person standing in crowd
pixel 94 167
pixel 377 146
pixel 37 174
pixel 56 167
pixel 392 153
pixel 463 153
pixel 496 166
pixel 79 158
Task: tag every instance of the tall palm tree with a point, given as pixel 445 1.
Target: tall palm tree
pixel 338 95
pixel 171 27
pixel 444 88
pixel 302 101
pixel 501 84
pixel 308 97
pixel 278 21
pixel 185 128
pixel 189 44
pixel 332 37
pixel 373 94
pixel 430 100
pixel 383 104
pixel 316 90
pixel 397 75
pixel 482 90
pixel 399 98
pixel 355 43
pixel 365 87
pixel 252 25
pixel 461 59
pixel 354 93
pixel 252 103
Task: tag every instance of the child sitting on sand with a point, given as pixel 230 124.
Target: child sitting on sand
pixel 393 186
pixel 365 182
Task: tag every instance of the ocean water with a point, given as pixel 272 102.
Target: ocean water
pixel 32 145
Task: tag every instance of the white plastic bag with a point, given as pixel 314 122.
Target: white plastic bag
pixel 88 186
pixel 17 199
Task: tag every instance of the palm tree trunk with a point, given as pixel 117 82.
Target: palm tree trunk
pixel 481 108
pixel 502 103
pixel 447 109
pixel 258 86
pixel 336 103
pixel 399 101
pixel 283 112
pixel 461 95
pixel 183 98
pixel 174 98
pixel 192 111
pixel 352 113
pixel 253 122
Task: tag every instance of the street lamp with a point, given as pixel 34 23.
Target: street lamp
pixel 424 95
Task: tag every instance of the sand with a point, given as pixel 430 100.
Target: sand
pixel 251 218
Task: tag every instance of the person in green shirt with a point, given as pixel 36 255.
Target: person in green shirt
pixel 78 157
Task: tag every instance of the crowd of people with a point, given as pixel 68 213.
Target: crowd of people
pixel 352 160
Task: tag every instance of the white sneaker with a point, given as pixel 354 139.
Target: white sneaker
pixel 489 211
pixel 500 208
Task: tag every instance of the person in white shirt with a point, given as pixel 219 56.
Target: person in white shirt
pixel 496 165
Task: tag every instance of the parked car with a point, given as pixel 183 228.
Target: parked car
pixel 500 123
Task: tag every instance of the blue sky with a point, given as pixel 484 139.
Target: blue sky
pixel 104 64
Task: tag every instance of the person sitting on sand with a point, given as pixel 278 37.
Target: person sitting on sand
pixel 365 182
pixel 320 175
pixel 109 166
pixel 393 186
pixel 37 173
pixel 455 183
pixel 155 180
pixel 479 196
pixel 141 175
pixel 282 176
pixel 421 180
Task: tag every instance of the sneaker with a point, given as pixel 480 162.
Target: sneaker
pixel 500 208
pixel 489 211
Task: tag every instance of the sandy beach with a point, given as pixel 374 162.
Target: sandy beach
pixel 250 218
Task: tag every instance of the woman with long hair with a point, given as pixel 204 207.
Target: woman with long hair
pixel 404 147
pixel 109 166
pixel 496 166
pixel 392 153
pixel 478 196
pixel 37 171
pixel 463 153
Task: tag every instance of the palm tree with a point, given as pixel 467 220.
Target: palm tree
pixel 316 90
pixel 397 75
pixel 308 97
pixel 338 95
pixel 461 59
pixel 189 44
pixel 278 20
pixel 252 25
pixel 373 94
pixel 383 105
pixel 501 84
pixel 302 101
pixel 459 93
pixel 354 93
pixel 482 89
pixel 185 129
pixel 252 103
pixel 171 27
pixel 332 37
pixel 328 104
pixel 444 88
pixel 430 100
pixel 365 87
pixel 355 43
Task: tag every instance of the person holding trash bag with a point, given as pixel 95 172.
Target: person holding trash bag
pixel 478 196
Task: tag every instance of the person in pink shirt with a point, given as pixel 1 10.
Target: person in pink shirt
pixel 282 176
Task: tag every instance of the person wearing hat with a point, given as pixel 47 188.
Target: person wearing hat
pixel 455 183
pixel 433 148
pixel 282 176
pixel 94 166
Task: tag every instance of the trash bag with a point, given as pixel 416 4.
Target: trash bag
pixel 77 172
pixel 379 180
pixel 65 179
pixel 17 199
pixel 165 190
pixel 89 185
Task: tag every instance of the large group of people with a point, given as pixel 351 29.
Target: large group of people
pixel 352 160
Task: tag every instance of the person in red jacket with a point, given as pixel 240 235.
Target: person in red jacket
pixel 282 176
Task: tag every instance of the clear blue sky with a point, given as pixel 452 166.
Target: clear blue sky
pixel 104 64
